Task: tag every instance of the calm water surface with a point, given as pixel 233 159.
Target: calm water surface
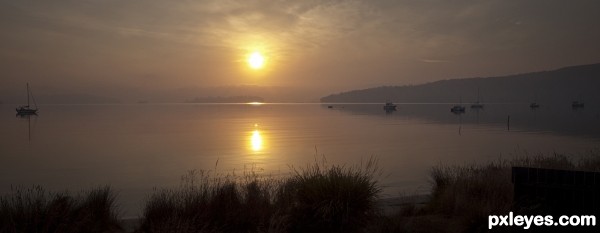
pixel 135 148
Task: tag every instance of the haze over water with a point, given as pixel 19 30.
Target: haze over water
pixel 135 148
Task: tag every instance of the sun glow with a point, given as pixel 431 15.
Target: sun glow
pixel 256 60
pixel 256 141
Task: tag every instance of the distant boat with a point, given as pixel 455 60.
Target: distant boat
pixel 457 109
pixel 577 104
pixel 26 109
pixel 534 105
pixel 477 105
pixel 330 106
pixel 389 106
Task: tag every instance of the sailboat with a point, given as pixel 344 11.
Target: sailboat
pixel 26 109
pixel 477 104
pixel 534 105
pixel 577 104
pixel 389 107
pixel 458 108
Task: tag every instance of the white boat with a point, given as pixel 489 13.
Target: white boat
pixel 389 106
pixel 26 109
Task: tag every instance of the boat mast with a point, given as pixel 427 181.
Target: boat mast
pixel 33 98
pixel 27 94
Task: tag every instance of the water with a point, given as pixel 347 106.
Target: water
pixel 136 148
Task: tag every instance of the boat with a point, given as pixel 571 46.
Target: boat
pixel 457 109
pixel 389 106
pixel 534 105
pixel 26 109
pixel 477 105
pixel 577 104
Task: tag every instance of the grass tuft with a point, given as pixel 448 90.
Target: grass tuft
pixel 322 198
pixel 318 198
pixel 463 196
pixel 206 203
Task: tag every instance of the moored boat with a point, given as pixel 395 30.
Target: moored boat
pixel 534 105
pixel 27 109
pixel 457 109
pixel 477 105
pixel 389 106
pixel 577 104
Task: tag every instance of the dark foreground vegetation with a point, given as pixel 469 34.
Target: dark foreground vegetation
pixel 463 196
pixel 36 210
pixel 316 198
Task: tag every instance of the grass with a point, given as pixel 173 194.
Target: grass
pixel 37 210
pixel 317 198
pixel 463 196
pixel 210 204
pixel 321 198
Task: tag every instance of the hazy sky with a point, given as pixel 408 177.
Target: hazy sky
pixel 331 45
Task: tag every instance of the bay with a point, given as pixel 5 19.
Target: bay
pixel 139 147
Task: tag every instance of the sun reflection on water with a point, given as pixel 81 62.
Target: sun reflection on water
pixel 256 141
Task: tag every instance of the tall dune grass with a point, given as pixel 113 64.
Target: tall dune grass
pixel 322 198
pixel 318 198
pixel 315 198
pixel 37 210
pixel 206 203
pixel 463 196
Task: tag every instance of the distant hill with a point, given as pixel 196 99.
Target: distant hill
pixel 20 98
pixel 561 85
pixel 75 99
pixel 227 99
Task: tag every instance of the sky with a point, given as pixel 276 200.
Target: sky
pixel 134 48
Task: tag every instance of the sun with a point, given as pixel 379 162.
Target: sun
pixel 256 60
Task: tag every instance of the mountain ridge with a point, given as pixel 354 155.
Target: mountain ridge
pixel 565 84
